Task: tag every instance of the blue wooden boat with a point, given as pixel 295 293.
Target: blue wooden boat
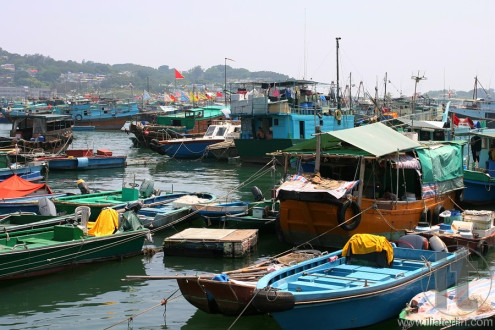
pixel 103 114
pixel 217 210
pixel 479 175
pixel 366 282
pixel 19 195
pixel 84 159
pixel 196 147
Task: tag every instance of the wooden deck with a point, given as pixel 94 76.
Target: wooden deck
pixel 214 242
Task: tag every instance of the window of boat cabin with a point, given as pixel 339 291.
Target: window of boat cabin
pixel 221 131
pixel 210 130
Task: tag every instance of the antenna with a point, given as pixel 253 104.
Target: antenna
pixel 417 79
pixel 305 48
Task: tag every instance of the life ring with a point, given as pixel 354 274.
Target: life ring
pixel 436 214
pixel 338 115
pixel 341 215
pixel 78 116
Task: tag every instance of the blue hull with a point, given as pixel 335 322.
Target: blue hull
pixel 23 204
pixel 324 295
pixel 187 150
pixel 87 163
pixel 477 192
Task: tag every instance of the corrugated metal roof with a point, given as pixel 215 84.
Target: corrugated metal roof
pixel 377 139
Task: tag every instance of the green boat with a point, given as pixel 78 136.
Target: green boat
pixel 116 199
pixel 41 251
pixel 261 215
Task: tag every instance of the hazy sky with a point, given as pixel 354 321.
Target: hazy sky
pixel 448 41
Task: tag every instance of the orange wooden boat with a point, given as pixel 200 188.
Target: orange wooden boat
pixel 369 179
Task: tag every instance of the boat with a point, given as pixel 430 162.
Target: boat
pixel 84 159
pixel 261 215
pixel 367 282
pixel 471 228
pixel 186 123
pixel 218 131
pixel 102 114
pixel 217 210
pixel 223 150
pixel 369 179
pixel 277 115
pixel 464 306
pixel 161 212
pixel 116 199
pixel 476 108
pixel 31 170
pixel 29 253
pixel 49 133
pixel 19 195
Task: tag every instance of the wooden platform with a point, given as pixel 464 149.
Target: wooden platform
pixel 211 242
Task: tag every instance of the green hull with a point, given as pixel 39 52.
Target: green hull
pixel 254 151
pixel 59 247
pixel 95 201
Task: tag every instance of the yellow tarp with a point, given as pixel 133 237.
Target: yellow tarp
pixel 106 224
pixel 367 243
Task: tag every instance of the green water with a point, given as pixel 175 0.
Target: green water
pixel 94 297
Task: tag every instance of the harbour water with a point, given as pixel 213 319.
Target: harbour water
pixel 94 297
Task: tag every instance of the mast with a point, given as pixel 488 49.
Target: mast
pixel 350 92
pixel 338 90
pixel 385 91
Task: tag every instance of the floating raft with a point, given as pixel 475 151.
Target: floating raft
pixel 211 242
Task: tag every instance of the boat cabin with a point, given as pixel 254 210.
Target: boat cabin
pixel 41 127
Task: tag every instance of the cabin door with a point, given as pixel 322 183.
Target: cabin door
pixel 301 130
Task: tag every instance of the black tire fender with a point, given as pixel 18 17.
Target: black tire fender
pixel 436 214
pixel 341 215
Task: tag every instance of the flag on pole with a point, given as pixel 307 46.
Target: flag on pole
pixel 229 59
pixel 178 75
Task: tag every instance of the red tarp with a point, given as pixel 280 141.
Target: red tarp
pixel 16 186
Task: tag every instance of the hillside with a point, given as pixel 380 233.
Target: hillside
pixel 42 71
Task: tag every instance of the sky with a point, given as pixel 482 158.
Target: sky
pixel 446 42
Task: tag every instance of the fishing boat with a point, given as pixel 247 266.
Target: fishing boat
pixel 35 252
pixel 184 123
pixel 196 147
pixel 103 114
pixel 116 199
pixel 30 171
pixel 260 215
pixel 468 304
pixel 471 228
pixel 49 133
pixel 223 150
pixel 217 210
pixel 19 195
pixel 161 212
pixel 84 159
pixel 277 115
pixel 368 179
pixel 367 282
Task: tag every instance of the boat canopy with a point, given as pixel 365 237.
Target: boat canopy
pixel 370 140
pixel 16 186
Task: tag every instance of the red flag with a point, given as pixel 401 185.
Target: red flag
pixel 178 75
pixel 219 94
pixel 173 97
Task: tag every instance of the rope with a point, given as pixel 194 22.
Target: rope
pixel 384 219
pixel 131 318
pixel 244 309
pixel 460 208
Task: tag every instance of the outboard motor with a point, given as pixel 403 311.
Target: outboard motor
pixel 258 195
pixel 146 188
pixel 83 187
pixel 134 206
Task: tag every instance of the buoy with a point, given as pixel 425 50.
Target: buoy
pixel 437 244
